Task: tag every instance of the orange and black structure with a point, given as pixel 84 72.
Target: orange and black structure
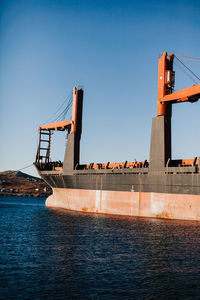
pixel 160 152
pixel 161 187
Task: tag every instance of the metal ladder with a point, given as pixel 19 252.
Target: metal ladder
pixel 44 145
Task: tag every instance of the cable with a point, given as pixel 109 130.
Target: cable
pixel 193 63
pixel 10 172
pixel 187 68
pixel 67 99
pixel 185 73
pixel 64 112
pixel 188 57
pixel 25 167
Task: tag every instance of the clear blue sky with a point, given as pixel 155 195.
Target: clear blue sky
pixel 110 48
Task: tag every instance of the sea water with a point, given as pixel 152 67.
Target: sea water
pixel 61 254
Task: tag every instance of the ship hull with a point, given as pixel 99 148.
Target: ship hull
pixel 130 203
pixel 170 194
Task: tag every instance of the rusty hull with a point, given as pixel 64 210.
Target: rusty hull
pixel 138 204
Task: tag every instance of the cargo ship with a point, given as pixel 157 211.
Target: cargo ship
pixel 158 188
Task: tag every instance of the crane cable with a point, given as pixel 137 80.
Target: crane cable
pixel 188 57
pixel 187 68
pixel 63 114
pixel 184 71
pixel 69 99
pixel 25 167
pixel 10 172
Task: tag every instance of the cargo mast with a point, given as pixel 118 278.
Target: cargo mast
pixel 73 128
pixel 160 151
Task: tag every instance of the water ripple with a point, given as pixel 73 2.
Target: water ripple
pixel 60 254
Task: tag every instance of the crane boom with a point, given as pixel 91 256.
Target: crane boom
pixel 166 80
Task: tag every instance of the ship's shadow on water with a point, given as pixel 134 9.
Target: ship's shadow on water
pixel 60 254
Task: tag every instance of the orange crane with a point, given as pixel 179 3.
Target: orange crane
pixel 160 151
pixel 166 80
pixel 73 126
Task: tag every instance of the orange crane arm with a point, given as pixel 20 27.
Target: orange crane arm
pixel 190 94
pixel 62 125
pixel 166 80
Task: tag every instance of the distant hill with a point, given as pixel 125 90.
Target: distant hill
pixel 20 174
pixel 17 183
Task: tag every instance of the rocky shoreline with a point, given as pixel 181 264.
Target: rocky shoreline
pixel 16 183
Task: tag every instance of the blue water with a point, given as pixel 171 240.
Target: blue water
pixel 60 254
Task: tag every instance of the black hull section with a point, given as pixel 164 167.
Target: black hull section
pixel 149 182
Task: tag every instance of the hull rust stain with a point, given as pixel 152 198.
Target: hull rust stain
pixel 156 205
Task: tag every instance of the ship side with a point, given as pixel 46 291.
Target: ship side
pixel 161 187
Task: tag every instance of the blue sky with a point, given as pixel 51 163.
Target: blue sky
pixel 111 49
